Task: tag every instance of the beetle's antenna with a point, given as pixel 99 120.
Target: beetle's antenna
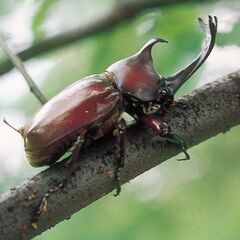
pixel 17 62
pixel 6 122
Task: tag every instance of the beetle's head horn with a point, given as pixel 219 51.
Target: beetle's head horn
pixel 136 75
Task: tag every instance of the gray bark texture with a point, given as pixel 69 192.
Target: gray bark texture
pixel 208 111
pixel 123 10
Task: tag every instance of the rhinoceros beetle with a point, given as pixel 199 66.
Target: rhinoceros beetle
pixel 93 106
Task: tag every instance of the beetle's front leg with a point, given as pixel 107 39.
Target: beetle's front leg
pixel 119 133
pixel 164 131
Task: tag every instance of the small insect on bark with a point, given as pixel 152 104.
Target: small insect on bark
pixel 94 106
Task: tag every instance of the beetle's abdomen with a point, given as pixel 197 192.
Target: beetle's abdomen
pixel 49 154
pixel 83 105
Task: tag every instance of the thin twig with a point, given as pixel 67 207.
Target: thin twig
pixel 210 110
pixel 19 65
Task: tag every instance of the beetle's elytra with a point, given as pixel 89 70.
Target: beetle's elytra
pixel 91 103
pixel 93 106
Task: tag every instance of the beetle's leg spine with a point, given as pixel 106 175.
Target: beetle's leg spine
pixel 75 154
pixel 119 133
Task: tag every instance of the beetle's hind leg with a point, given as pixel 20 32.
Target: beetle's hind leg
pixel 119 133
pixel 163 130
pixel 74 157
pixel 70 169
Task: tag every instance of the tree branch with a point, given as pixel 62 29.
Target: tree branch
pixel 124 10
pixel 210 110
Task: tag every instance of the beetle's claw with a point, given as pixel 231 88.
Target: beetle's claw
pixel 174 138
pixel 118 190
pixel 34 225
pixel 184 149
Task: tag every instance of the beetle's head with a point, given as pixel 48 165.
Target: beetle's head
pixel 136 77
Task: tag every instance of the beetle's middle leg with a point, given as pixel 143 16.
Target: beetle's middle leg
pixel 119 133
pixel 163 130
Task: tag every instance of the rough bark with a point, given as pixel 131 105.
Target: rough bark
pixel 124 10
pixel 212 109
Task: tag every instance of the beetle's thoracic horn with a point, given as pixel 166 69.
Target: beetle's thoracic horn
pixel 210 30
pixel 145 51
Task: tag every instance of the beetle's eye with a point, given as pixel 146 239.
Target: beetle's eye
pixel 162 83
pixel 145 93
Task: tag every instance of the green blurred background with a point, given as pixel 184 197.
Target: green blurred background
pixel 197 199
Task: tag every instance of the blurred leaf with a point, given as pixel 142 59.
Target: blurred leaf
pixel 8 6
pixel 102 52
pixel 40 16
pixel 232 37
pixel 113 45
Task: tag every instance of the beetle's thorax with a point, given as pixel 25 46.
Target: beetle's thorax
pixel 136 75
pixel 135 78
